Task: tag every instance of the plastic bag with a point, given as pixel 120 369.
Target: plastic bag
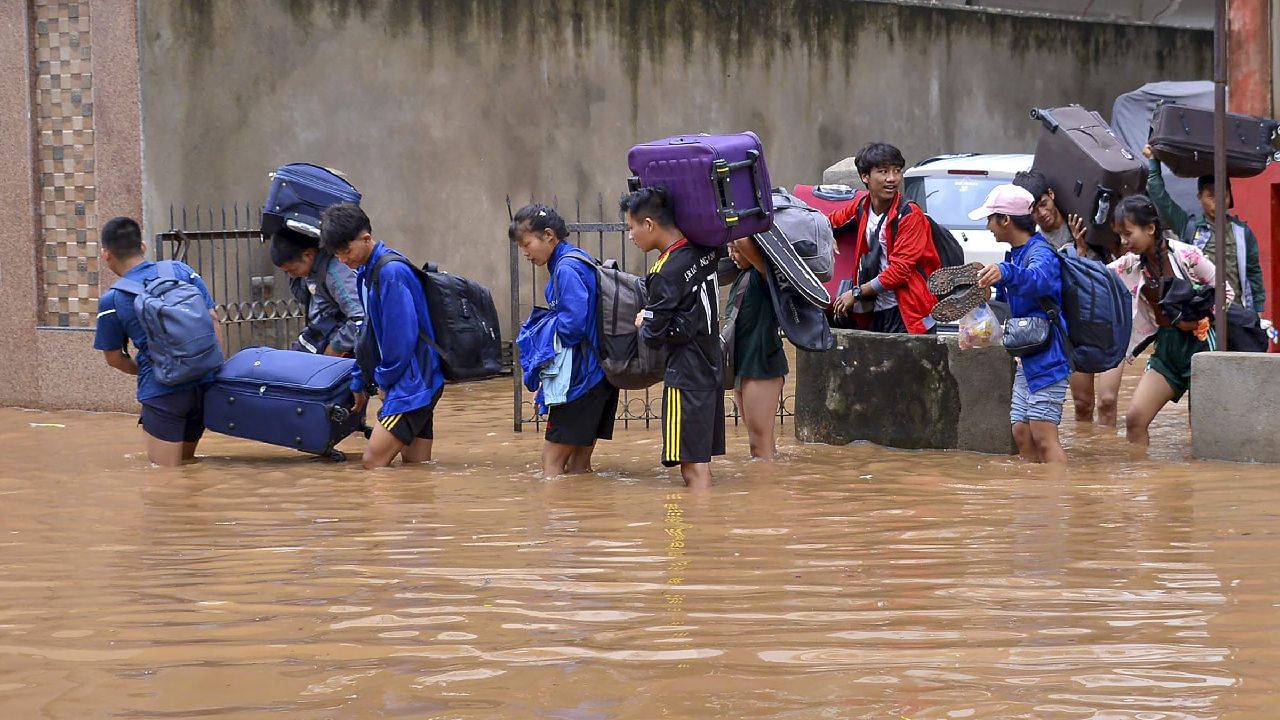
pixel 980 328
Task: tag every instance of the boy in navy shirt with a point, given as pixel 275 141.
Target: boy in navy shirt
pixel 683 314
pixel 409 372
pixel 172 415
pixel 1029 273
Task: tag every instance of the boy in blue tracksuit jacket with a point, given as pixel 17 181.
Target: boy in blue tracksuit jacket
pixel 565 334
pixel 409 371
pixel 1031 271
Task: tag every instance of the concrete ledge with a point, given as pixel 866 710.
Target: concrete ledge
pixel 905 391
pixel 1235 406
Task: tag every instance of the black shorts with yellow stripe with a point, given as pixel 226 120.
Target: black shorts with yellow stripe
pixel 416 423
pixel 692 425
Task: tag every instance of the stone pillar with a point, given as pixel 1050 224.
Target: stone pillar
pixel 905 391
pixel 74 159
pixel 1235 406
pixel 18 279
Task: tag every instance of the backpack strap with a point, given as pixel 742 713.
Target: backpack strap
pixel 391 257
pixel 581 256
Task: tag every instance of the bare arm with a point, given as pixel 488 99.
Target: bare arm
pixel 118 360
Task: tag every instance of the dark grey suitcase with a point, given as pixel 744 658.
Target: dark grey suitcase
pixel 1182 139
pixel 1088 168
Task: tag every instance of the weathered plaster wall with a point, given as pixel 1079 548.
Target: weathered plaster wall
pixel 439 109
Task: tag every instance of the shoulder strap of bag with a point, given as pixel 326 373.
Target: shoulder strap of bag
pixel 373 284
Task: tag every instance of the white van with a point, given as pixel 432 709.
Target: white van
pixel 948 187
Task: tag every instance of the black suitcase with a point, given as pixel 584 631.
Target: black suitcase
pixel 1182 139
pixel 1087 167
pixel 287 398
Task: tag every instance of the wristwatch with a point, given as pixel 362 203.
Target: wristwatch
pixel 857 293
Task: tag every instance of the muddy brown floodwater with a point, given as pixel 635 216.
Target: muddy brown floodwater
pixel 852 582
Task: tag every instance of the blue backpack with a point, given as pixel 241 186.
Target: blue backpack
pixel 181 340
pixel 1098 309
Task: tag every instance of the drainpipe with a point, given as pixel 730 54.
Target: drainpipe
pixel 1220 166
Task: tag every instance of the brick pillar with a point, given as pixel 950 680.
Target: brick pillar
pixel 67 193
pixel 72 151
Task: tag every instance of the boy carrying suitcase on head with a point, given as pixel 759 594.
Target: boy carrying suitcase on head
pixel 327 291
pixel 409 371
pixel 1243 269
pixel 683 314
pixel 172 412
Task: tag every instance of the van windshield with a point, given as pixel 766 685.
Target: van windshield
pixel 949 199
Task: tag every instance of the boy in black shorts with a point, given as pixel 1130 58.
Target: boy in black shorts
pixel 409 371
pixel 683 314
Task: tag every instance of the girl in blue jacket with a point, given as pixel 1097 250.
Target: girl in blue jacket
pixel 558 344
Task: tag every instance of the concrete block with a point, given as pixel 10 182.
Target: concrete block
pixel 905 391
pixel 1235 406
pixel 842 173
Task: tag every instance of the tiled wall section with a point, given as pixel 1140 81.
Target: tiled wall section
pixel 67 200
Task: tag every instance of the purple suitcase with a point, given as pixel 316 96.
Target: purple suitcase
pixel 719 183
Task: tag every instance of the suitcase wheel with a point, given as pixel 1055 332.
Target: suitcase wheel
pixel 367 431
pixel 337 414
pixel 336 455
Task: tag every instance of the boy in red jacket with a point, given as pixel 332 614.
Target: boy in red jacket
pixel 894 254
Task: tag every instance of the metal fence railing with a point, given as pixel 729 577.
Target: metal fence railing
pixel 252 297
pixel 592 230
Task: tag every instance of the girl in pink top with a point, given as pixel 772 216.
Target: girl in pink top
pixel 1151 259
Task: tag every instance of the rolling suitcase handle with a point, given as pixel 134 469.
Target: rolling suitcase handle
pixel 720 171
pixel 1046 118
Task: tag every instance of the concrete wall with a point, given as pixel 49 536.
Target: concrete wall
pixel 1235 406
pixel 439 109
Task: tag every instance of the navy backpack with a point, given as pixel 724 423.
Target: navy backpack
pixel 1098 309
pixel 299 193
pixel 181 339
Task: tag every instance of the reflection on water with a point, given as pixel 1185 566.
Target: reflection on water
pixel 850 582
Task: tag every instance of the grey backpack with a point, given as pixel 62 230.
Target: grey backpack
pixel 808 231
pixel 628 363
pixel 181 340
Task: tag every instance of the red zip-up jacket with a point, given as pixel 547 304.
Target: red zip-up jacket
pixel 912 256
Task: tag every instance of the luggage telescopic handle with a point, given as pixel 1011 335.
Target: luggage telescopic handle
pixel 1046 118
pixel 720 171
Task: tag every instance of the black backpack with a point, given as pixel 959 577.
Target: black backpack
pixel 463 315
pixel 949 250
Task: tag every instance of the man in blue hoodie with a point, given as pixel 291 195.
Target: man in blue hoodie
pixel 408 370
pixel 581 404
pixel 1029 274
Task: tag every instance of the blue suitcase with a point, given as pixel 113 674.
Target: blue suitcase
pixel 299 192
pixel 287 398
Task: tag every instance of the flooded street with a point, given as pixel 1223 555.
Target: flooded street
pixel 852 582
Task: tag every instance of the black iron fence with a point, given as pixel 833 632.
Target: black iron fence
pixel 225 246
pixel 595 228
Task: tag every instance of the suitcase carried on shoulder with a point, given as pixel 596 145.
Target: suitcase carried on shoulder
pixel 1087 167
pixel 1182 139
pixel 299 192
pixel 718 183
pixel 286 398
